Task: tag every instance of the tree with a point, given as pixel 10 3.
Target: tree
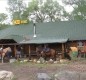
pixel 33 10
pixel 45 11
pixel 79 12
pixel 52 10
pixel 37 10
pixel 3 17
pixel 17 10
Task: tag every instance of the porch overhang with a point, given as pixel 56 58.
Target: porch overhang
pixel 44 41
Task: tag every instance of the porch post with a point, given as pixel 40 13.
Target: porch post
pixel 15 50
pixel 2 55
pixel 63 50
pixel 29 52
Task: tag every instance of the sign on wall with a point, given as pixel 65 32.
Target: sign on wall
pixel 19 22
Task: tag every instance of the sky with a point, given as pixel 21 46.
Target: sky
pixel 3 5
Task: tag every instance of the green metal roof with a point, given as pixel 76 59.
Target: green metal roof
pixel 17 38
pixel 50 32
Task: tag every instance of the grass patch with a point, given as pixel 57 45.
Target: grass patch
pixel 14 78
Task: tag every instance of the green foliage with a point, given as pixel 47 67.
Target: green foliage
pixel 79 12
pixel 52 9
pixel 45 11
pixel 42 11
pixel 2 17
pixel 17 10
pixel 33 6
pixel 14 78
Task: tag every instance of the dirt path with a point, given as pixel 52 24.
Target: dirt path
pixel 28 71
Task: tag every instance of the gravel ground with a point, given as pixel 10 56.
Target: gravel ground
pixel 29 70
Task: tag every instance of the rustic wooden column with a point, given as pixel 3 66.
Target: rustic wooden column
pixel 63 47
pixel 15 50
pixel 2 55
pixel 63 50
pixel 29 52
